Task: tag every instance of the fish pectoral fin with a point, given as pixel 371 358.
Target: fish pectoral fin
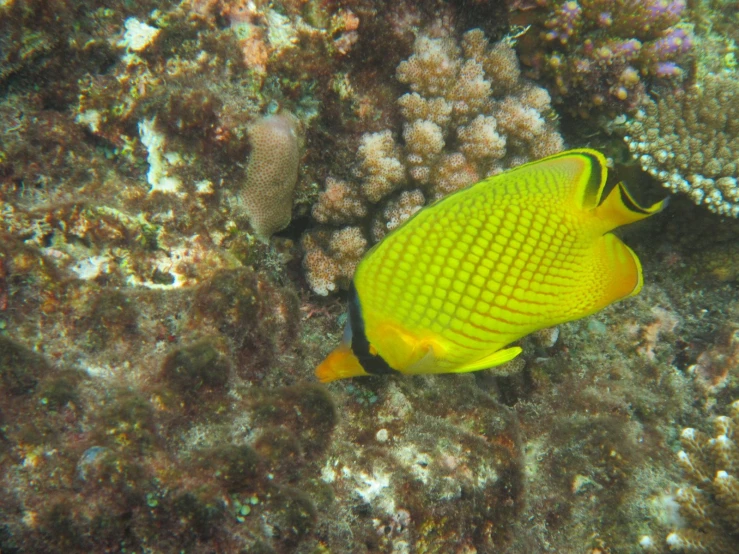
pixel 496 358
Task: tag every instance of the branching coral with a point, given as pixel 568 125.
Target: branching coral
pixel 468 114
pixel 332 257
pixel 711 502
pixel 597 52
pixel 689 141
pixel 339 203
pixel 381 170
pixel 396 212
pixel 462 122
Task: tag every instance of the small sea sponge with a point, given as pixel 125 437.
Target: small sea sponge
pixel 272 172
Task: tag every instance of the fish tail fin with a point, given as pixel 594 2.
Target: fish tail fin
pixel 339 364
pixel 619 208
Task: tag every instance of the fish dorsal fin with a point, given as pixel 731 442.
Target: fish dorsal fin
pixel 620 208
pixel 572 177
pixel 583 172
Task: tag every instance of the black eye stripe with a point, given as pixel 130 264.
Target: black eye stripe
pixel 374 365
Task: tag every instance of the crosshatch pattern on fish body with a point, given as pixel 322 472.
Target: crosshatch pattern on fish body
pixel 466 277
pixel 476 265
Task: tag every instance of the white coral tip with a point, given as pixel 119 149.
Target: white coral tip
pixel 673 539
pixel 688 433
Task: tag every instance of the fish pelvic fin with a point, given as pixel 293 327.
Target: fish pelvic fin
pixel 619 208
pixel 341 363
pixel 498 357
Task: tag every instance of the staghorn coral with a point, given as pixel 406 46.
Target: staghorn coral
pixel 689 141
pixel 468 114
pixel 710 503
pixel 272 173
pixel 598 54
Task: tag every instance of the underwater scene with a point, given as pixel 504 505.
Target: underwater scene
pixel 369 276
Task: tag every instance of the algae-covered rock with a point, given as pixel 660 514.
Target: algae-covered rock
pixel 194 367
pixel 20 368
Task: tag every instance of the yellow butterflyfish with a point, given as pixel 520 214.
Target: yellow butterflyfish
pixel 452 288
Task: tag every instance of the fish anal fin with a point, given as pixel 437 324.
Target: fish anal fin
pixel 620 208
pixel 496 358
pixel 623 277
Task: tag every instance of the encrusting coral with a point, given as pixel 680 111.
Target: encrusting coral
pixel 272 173
pixel 710 503
pixel 689 141
pixel 469 114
